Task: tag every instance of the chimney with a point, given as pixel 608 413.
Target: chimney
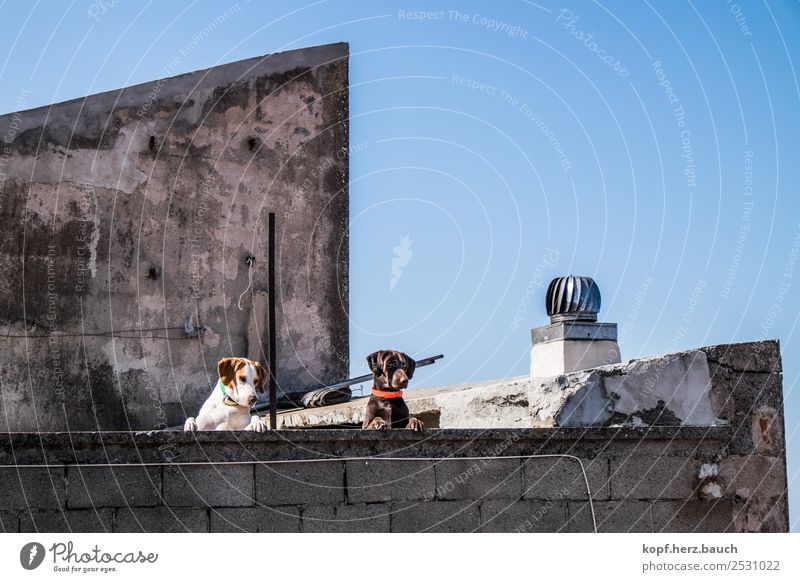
pixel 574 340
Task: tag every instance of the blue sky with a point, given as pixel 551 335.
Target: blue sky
pixel 652 146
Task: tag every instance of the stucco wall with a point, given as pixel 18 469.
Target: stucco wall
pixel 129 212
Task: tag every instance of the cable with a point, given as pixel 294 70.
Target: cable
pixel 249 261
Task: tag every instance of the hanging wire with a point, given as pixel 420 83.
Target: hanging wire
pixel 249 261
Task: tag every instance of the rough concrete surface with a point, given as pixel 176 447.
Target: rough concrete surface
pixel 129 215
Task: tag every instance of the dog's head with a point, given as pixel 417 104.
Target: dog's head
pixel 242 379
pixel 391 369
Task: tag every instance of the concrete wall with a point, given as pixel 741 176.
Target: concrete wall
pixel 640 479
pixel 135 210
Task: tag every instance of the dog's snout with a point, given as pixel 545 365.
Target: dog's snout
pixel 251 400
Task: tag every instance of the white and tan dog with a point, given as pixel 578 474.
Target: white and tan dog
pixel 228 406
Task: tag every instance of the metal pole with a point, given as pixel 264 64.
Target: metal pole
pixel 273 382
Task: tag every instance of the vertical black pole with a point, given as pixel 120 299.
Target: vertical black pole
pixel 273 381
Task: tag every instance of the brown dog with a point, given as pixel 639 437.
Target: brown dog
pixel 386 408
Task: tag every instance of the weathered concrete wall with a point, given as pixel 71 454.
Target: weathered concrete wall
pixel 128 213
pixel 640 479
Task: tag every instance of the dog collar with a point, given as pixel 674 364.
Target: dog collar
pixel 387 393
pixel 226 398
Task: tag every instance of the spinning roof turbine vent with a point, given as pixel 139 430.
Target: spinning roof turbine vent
pixel 574 340
pixel 572 299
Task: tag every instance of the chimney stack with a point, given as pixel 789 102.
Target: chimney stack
pixel 574 340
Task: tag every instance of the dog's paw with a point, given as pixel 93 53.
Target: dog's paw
pixel 415 424
pixel 378 424
pixel 257 424
pixel 190 425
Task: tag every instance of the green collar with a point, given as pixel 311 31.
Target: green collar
pixel 226 398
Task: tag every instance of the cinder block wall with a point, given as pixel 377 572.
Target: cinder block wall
pixel 644 480
pixel 131 213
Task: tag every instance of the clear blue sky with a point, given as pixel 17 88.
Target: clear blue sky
pixel 510 146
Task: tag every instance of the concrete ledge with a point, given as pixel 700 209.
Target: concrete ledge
pixel 103 448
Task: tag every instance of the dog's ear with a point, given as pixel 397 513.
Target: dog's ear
pixel 227 371
pixel 375 362
pixel 261 377
pixel 411 365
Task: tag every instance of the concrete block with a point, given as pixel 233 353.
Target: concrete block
pixel 300 483
pixel 389 480
pixel 479 479
pixel 363 518
pixel 69 520
pixel 611 517
pixel 762 515
pixel 9 522
pixel 256 519
pixel 113 486
pixel 653 477
pixel 435 517
pixel 753 476
pixel 503 516
pixel 693 516
pixel 32 487
pixel 562 478
pixel 209 485
pixel 160 520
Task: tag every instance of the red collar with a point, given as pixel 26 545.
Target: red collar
pixel 387 393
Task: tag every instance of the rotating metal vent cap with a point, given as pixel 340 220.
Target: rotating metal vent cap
pixel 572 299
